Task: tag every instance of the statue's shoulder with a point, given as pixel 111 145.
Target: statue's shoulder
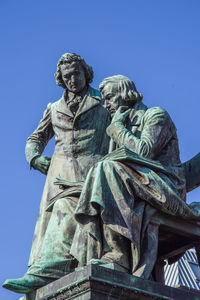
pixel 47 111
pixel 157 115
pixel 94 93
pixel 49 105
pixel 55 104
pixel 156 112
pixel 156 109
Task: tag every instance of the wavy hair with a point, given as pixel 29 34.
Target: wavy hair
pixel 68 58
pixel 125 87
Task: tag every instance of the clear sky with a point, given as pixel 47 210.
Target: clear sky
pixel 156 43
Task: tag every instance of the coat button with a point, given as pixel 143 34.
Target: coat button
pixel 71 119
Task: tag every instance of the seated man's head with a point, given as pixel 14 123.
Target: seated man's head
pixel 73 73
pixel 118 91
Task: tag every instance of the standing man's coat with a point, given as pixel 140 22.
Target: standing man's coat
pixel 80 141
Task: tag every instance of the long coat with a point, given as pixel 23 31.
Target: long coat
pixel 80 141
pixel 125 194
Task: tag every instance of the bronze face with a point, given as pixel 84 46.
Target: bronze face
pixel 73 77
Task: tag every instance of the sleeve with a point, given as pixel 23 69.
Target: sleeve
pixel 158 129
pixel 38 140
pixel 105 137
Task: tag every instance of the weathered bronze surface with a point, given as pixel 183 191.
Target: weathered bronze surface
pixel 98 283
pixel 140 176
pixel 80 141
pixel 110 187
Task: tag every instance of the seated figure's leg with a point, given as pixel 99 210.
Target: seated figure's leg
pixel 111 195
pixel 116 248
pixel 149 250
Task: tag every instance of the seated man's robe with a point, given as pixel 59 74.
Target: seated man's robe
pixel 119 198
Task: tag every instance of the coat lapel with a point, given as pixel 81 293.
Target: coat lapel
pixel 88 102
pixel 63 108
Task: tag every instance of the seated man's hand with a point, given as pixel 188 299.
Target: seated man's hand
pixel 41 163
pixel 121 114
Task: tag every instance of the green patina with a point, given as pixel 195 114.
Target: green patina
pixel 114 176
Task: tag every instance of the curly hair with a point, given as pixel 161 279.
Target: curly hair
pixel 68 58
pixel 125 86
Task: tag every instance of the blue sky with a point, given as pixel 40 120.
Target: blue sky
pixel 155 43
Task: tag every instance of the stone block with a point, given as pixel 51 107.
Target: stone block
pixel 100 283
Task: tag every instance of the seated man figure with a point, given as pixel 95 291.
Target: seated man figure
pixel 142 174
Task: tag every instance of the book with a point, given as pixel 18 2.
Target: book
pixel 70 191
pixel 123 154
pixel 63 183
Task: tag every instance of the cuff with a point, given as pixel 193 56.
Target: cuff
pixel 30 163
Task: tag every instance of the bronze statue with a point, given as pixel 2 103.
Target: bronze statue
pixel 78 120
pixel 142 174
pixel 103 215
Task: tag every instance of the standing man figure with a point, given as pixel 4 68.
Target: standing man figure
pixel 78 120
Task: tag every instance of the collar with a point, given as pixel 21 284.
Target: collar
pixel 137 112
pixel 90 99
pixel 71 97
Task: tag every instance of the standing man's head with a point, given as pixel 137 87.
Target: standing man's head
pixel 119 90
pixel 73 73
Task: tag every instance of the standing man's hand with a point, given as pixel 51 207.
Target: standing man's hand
pixel 41 163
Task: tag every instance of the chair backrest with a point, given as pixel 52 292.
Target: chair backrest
pixel 192 172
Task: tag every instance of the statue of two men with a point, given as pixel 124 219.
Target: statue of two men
pixel 107 219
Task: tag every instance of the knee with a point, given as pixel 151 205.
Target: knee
pixel 103 164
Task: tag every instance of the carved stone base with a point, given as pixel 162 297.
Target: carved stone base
pixel 100 283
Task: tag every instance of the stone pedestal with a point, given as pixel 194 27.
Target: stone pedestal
pixel 100 283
